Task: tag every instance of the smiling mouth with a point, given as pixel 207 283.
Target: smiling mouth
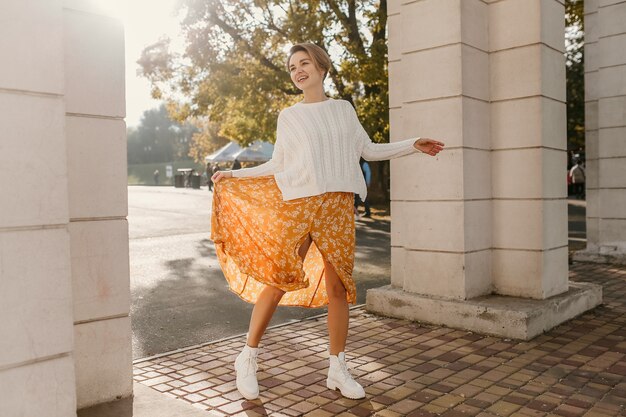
pixel 301 79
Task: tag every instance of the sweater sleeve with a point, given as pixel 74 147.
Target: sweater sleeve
pixel 270 167
pixel 371 151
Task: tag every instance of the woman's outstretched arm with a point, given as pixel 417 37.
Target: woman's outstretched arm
pixel 371 151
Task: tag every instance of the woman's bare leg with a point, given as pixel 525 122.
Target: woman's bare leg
pixel 266 305
pixel 338 316
pixel 338 313
pixel 262 313
pixel 304 248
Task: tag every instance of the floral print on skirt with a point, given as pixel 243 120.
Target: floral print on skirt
pixel 257 236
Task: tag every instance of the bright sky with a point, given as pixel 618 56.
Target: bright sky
pixel 145 21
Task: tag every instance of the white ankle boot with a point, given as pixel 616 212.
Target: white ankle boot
pixel 245 368
pixel 339 378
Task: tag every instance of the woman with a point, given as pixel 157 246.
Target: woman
pixel 284 230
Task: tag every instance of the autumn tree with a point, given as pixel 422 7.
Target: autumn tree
pixel 575 72
pixel 233 73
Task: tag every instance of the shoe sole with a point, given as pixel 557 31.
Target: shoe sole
pixel 248 397
pixel 334 387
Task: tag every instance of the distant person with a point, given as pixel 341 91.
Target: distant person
pixel 156 177
pixel 209 173
pixel 188 175
pixel 268 219
pixel 579 154
pixel 216 168
pixel 355 207
pixel 236 164
pixel 190 178
pixel 367 175
pixel 577 175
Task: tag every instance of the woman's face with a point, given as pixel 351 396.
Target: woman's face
pixel 304 74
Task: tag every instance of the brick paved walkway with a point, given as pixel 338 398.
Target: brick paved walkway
pixel 408 369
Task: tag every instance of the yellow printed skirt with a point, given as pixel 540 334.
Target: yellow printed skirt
pixel 257 236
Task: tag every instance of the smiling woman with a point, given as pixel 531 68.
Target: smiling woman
pixel 284 231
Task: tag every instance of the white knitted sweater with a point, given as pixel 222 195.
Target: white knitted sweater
pixel 317 150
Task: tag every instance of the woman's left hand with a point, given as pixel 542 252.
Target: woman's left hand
pixel 429 146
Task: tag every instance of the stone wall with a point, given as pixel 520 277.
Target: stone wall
pixel 487 217
pixel 64 281
pixel 605 130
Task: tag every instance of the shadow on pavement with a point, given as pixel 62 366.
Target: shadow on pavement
pixel 192 303
pixel 145 402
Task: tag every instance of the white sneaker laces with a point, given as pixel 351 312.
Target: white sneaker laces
pixel 250 366
pixel 344 371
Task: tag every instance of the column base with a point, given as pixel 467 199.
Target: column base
pixel 601 255
pixel 503 316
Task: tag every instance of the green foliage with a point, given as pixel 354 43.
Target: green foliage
pixel 233 71
pixel 575 72
pixel 206 140
pixel 158 138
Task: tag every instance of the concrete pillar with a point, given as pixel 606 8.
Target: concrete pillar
pixel 605 130
pixel 36 340
pixel 439 87
pixel 528 148
pixel 65 339
pixel 479 234
pixel 98 206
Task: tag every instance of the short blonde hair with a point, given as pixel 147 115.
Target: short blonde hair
pixel 318 55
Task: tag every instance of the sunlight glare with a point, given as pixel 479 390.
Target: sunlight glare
pixel 145 22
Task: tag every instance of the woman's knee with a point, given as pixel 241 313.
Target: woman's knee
pixel 275 293
pixel 334 286
pixel 335 289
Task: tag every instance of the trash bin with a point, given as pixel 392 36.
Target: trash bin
pixel 179 181
pixel 195 181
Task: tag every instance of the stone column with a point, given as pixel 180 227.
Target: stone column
pixel 64 283
pixel 439 88
pixel 529 149
pixel 479 234
pixel 36 340
pixel 98 206
pixel 605 131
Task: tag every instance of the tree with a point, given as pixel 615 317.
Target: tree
pixel 206 140
pixel 575 72
pixel 158 138
pixel 234 71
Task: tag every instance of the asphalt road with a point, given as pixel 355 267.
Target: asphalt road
pixel 576 210
pixel 179 296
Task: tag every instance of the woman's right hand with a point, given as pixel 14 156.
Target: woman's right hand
pixel 217 177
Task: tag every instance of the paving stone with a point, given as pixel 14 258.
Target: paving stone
pixel 467 409
pixel 432 408
pixel 408 369
pixel 318 413
pixel 387 413
pixel 405 406
pixel 421 413
pixel 448 401
pixel 303 407
pixel 333 408
pixel 503 408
